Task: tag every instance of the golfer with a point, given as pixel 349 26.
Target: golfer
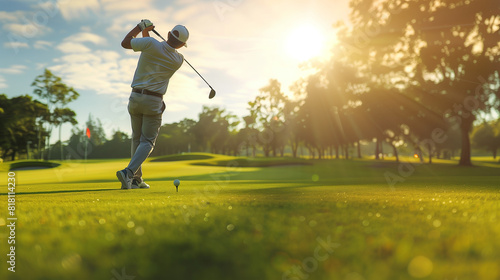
pixel 157 63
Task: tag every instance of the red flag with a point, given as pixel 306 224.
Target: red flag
pixel 88 133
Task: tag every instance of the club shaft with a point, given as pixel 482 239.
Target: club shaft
pixel 158 34
pixel 186 61
pixel 198 73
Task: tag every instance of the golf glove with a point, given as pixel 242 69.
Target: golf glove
pixel 145 23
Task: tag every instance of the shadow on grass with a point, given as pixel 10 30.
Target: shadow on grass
pixel 182 157
pixel 31 165
pixel 256 162
pixel 63 191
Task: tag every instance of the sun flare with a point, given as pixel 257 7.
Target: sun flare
pixel 304 42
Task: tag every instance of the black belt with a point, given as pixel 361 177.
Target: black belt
pixel 147 92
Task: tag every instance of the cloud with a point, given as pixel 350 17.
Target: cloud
pixel 185 88
pixel 75 42
pixel 116 6
pixel 15 45
pixel 13 16
pixel 50 8
pixel 39 66
pixel 73 10
pixel 71 47
pixel 42 45
pixel 121 24
pixel 101 71
pixel 13 69
pixel 27 30
pixel 26 24
pixel 84 37
pixel 3 83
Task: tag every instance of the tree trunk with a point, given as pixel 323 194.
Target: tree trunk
pixel 337 152
pixel 49 149
pixel 429 148
pixel 381 149
pixel 359 149
pixel 465 127
pixel 495 154
pixel 294 149
pixel 377 149
pixel 40 142
pixel 395 152
pixel 312 154
pixel 60 142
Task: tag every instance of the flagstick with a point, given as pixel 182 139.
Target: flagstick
pixel 87 139
pixel 85 164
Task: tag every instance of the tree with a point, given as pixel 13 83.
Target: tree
pixel 75 147
pixel 60 116
pixel 18 123
pixel 319 128
pixel 268 108
pixel 175 138
pixel 97 133
pixel 117 147
pixel 442 54
pixel 293 124
pixel 453 46
pixel 57 95
pixel 467 67
pixel 187 138
pixel 486 137
pixel 247 136
pixel 213 128
pixel 452 143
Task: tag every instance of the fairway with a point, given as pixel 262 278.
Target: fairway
pixel 307 219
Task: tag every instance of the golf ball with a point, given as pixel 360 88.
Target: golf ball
pixel 177 182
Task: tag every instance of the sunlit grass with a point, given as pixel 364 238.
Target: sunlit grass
pixel 230 222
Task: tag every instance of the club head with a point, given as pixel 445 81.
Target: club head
pixel 212 94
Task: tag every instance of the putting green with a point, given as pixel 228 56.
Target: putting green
pixel 331 219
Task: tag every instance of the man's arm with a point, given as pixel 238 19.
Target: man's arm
pixel 145 32
pixel 133 33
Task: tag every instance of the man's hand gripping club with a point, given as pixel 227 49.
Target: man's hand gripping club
pixel 144 26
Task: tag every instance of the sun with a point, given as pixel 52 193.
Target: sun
pixel 304 42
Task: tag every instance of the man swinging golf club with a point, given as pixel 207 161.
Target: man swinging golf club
pixel 157 63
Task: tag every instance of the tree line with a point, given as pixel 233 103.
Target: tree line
pixel 268 130
pixel 408 75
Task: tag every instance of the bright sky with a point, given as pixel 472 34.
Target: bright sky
pixel 237 45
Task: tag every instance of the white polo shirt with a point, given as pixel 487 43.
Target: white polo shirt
pixel 157 63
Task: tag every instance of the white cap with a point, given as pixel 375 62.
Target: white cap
pixel 183 33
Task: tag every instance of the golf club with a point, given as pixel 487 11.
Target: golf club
pixel 212 91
